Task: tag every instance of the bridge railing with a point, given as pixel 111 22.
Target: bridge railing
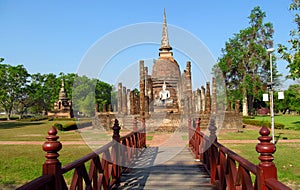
pixel 105 164
pixel 227 169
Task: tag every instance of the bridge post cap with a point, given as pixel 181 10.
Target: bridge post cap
pixel 212 129
pixel 212 126
pixel 52 146
pixel 265 148
pixel 116 130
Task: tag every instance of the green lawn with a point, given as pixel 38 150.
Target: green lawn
pixel 290 121
pixel 22 163
pixel 286 159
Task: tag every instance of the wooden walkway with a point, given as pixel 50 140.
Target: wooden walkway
pixel 165 168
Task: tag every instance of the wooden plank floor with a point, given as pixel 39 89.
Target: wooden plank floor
pixel 166 168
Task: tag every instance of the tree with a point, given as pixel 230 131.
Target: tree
pixel 103 93
pixel 292 54
pixel 291 101
pixel 13 84
pixel 245 62
pixel 45 89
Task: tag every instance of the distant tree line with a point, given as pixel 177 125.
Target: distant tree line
pixel 21 92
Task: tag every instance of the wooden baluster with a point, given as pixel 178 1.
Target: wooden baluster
pixel 197 139
pixel 213 151
pixel 266 167
pixel 52 165
pixel 190 132
pixel 144 132
pixel 117 165
pixel 200 144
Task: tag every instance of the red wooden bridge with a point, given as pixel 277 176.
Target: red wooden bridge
pixel 126 163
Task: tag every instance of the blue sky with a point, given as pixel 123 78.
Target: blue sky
pixel 54 36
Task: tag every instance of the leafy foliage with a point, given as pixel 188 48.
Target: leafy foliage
pixel 13 86
pixel 291 101
pixel 245 62
pixel 36 93
pixel 292 54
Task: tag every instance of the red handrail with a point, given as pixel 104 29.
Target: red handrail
pixel 227 169
pixel 106 163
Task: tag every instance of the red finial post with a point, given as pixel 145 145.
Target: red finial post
pixel 212 129
pixel 265 148
pixel 52 165
pixel 51 147
pixel 116 128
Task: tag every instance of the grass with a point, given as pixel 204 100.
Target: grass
pixel 22 163
pixel 288 167
pixel 253 134
pixel 33 131
pixel 25 163
pixel 290 121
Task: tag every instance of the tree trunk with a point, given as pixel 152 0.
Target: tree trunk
pixel 8 116
pixel 245 103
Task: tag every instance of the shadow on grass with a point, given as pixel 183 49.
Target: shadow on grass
pixel 16 124
pixel 297 125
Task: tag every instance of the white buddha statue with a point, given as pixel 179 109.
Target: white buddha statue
pixel 164 94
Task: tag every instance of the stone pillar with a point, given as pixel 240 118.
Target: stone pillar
pixel 124 101
pixel 104 108
pixel 142 88
pixel 132 103
pixel 120 97
pixel 109 108
pixel 136 104
pixel 146 106
pixel 237 106
pixel 207 98
pixel 115 108
pixel 188 84
pixel 214 96
pixel 202 99
pixel 198 100
pixel 146 80
pixel 128 101
pixel 150 94
pixel 96 107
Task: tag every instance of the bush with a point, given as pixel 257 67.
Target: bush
pixel 248 117
pixel 34 118
pixel 58 126
pixel 72 125
pixel 60 119
pixel 69 126
pixel 262 123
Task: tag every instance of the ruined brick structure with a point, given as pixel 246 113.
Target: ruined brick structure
pixel 166 95
pixel 62 107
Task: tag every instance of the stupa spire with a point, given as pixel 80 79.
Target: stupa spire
pixel 62 93
pixel 165 46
